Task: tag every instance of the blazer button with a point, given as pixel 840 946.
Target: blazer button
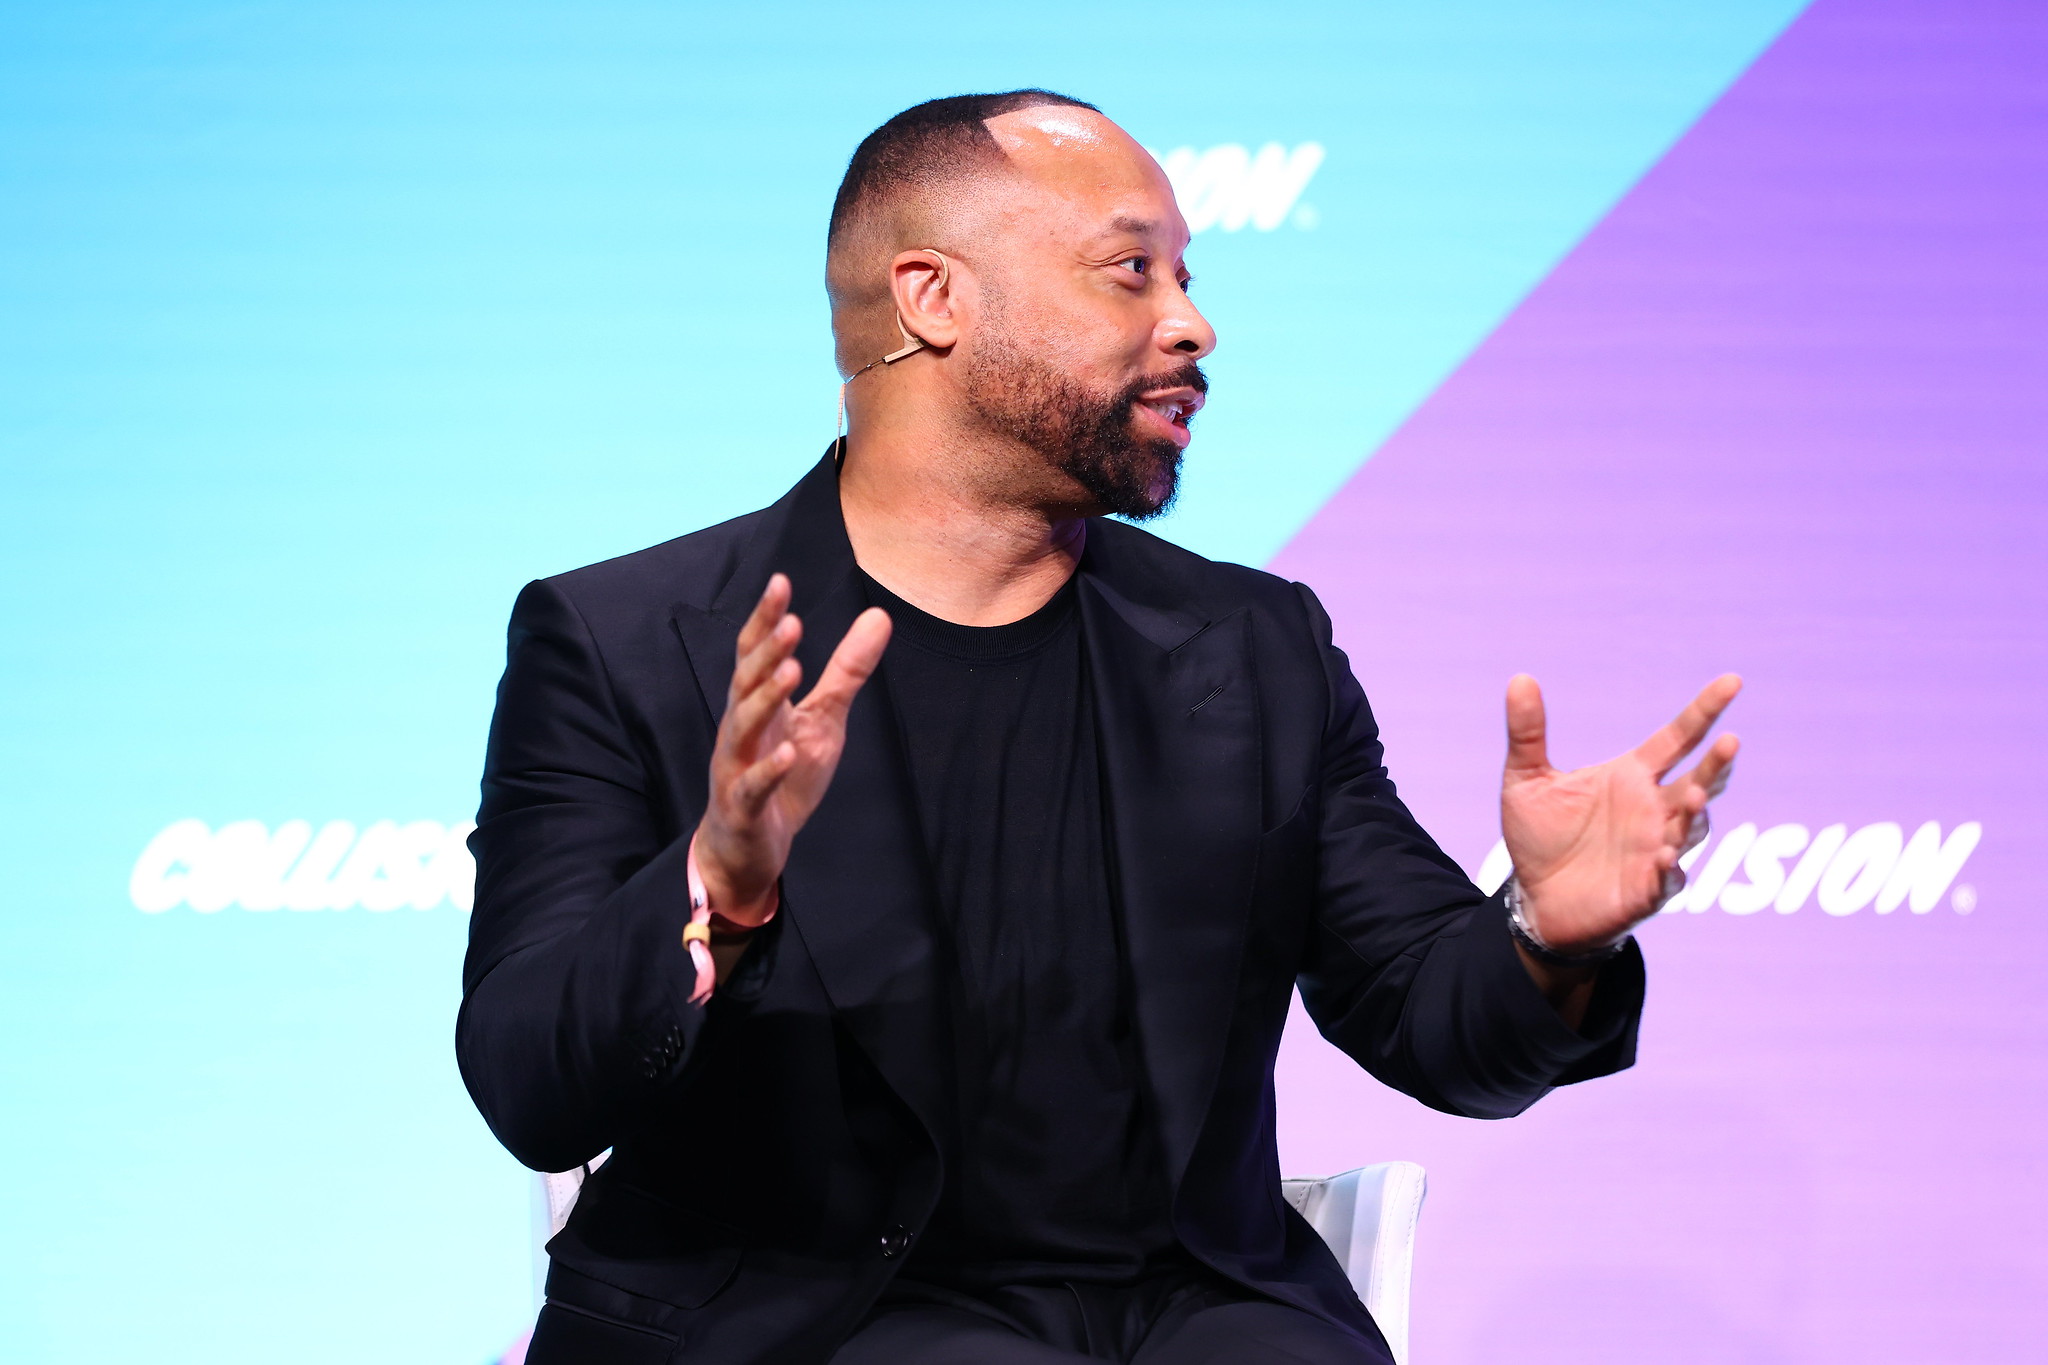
pixel 896 1241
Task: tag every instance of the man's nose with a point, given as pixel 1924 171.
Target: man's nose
pixel 1184 333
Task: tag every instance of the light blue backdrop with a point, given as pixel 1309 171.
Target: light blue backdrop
pixel 323 328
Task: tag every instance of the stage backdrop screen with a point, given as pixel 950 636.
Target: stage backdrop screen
pixel 1623 343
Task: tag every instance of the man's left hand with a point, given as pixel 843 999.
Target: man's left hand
pixel 1596 850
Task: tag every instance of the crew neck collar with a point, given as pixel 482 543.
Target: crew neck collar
pixel 982 644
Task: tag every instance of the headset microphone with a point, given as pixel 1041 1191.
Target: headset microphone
pixel 911 346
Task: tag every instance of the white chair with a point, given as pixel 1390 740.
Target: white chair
pixel 1367 1216
pixel 554 1196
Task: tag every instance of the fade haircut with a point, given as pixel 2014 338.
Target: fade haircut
pixel 926 143
pixel 888 200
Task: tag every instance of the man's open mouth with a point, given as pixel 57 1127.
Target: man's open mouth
pixel 1175 405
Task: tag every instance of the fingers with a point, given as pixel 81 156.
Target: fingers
pixel 1663 750
pixel 747 719
pixel 770 609
pixel 769 636
pixel 764 675
pixel 758 781
pixel 1711 773
pixel 852 664
pixel 1671 881
pixel 1527 755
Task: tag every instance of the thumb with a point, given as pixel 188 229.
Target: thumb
pixel 851 664
pixel 1527 756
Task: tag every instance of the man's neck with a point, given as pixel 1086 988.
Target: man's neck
pixel 950 543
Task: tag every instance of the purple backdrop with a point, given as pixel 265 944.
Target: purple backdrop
pixel 1783 412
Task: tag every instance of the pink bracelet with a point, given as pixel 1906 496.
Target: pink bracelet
pixel 697 933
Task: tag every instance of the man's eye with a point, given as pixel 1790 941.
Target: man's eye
pixel 1139 264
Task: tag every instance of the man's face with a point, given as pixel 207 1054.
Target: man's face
pixel 1084 342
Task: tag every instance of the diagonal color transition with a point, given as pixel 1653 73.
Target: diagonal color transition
pixel 1782 412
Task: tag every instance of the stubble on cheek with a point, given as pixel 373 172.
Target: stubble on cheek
pixel 1019 391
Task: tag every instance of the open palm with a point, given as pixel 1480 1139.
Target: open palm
pixel 1596 850
pixel 774 757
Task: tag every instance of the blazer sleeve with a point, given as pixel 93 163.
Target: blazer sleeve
pixel 1409 968
pixel 575 1012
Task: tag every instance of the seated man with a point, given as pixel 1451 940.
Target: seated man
pixel 930 1015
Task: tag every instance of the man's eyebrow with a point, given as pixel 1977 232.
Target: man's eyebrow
pixel 1136 226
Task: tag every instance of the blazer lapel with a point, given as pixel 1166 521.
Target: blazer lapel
pixel 857 886
pixel 1177 706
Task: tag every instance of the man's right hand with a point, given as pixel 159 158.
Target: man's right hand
pixel 773 760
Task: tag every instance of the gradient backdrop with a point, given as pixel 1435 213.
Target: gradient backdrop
pixel 1621 341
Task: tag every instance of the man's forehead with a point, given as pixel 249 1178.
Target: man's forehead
pixel 1082 156
pixel 1052 127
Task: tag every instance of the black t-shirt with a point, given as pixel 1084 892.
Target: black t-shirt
pixel 1055 1172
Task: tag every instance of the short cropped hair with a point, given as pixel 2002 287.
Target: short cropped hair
pixel 926 142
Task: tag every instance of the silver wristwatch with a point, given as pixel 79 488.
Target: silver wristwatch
pixel 1525 934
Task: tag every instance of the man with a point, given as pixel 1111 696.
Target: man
pixel 968 1054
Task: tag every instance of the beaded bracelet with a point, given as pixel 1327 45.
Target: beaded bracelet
pixel 707 926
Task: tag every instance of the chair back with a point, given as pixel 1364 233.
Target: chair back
pixel 1368 1217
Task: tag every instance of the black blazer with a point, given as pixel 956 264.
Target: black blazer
pixel 774 1153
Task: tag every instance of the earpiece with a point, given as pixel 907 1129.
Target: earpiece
pixel 911 346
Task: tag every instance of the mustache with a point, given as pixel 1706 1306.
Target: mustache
pixel 1185 376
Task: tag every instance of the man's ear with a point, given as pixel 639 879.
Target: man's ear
pixel 921 284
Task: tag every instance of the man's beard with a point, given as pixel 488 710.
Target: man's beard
pixel 1087 436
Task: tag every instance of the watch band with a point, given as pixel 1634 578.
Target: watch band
pixel 1525 934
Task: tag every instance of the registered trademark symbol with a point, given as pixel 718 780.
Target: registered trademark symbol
pixel 1964 899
